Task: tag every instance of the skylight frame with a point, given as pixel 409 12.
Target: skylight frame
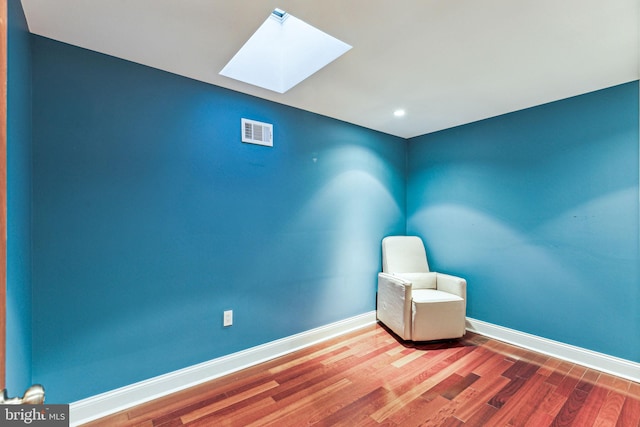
pixel 283 52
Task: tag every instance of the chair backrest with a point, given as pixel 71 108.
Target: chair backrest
pixel 404 254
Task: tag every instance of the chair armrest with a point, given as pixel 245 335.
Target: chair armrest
pixel 452 284
pixel 394 304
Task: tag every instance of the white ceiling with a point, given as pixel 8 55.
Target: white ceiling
pixel 447 62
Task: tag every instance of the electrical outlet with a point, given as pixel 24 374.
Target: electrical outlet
pixel 227 318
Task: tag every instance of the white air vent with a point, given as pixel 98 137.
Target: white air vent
pixel 257 132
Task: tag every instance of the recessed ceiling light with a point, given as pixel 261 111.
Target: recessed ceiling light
pixel 283 52
pixel 399 113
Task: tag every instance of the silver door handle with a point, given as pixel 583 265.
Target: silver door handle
pixel 33 396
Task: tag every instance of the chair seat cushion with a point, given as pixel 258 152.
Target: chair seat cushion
pixel 432 295
pixel 420 280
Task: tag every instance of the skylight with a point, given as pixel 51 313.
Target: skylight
pixel 283 52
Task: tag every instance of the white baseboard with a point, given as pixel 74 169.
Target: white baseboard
pixel 117 400
pixel 581 356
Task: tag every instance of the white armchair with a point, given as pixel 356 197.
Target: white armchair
pixel 415 303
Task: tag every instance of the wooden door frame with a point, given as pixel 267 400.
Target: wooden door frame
pixel 3 191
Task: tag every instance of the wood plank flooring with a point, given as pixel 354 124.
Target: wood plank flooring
pixel 370 378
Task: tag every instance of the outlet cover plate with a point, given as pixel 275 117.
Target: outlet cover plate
pixel 227 318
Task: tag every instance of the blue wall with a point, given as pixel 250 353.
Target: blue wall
pixel 151 218
pixel 18 344
pixel 539 210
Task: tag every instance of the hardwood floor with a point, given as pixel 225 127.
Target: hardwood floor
pixel 369 378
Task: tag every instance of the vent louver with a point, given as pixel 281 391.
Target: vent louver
pixel 255 132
